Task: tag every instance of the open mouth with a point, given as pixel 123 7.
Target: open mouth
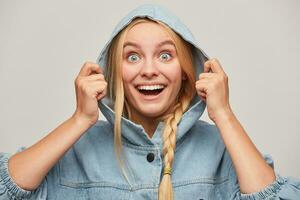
pixel 151 90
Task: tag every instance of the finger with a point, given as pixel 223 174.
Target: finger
pixel 101 95
pixel 90 68
pixel 203 81
pixel 213 65
pixel 205 75
pixel 95 77
pixel 201 86
pixel 97 88
pixel 203 98
pixel 87 79
pixel 202 94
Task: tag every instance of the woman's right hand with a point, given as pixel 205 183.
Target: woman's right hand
pixel 90 87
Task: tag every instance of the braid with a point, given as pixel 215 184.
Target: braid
pixel 169 145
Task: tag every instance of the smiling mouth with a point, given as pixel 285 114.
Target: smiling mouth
pixel 150 90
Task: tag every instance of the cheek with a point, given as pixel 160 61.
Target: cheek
pixel 173 73
pixel 128 73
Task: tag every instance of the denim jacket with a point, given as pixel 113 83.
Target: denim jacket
pixel 202 166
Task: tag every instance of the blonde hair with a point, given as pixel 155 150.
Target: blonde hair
pixel 182 102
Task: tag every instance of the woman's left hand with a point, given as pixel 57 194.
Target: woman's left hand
pixel 212 87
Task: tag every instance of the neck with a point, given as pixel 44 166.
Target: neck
pixel 148 123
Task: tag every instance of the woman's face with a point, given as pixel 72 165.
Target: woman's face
pixel 151 71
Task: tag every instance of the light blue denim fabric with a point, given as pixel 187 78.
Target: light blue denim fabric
pixel 202 167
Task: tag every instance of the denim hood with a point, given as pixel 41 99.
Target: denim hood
pixel 131 131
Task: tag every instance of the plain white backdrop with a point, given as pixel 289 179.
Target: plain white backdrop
pixel 43 45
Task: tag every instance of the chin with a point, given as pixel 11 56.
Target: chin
pixel 152 110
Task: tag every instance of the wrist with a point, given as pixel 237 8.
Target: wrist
pixel 81 120
pixel 224 114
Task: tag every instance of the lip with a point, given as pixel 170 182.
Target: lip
pixel 150 97
pixel 150 84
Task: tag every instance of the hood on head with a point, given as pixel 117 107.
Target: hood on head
pixel 197 106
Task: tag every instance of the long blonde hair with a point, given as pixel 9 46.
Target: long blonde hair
pixel 121 106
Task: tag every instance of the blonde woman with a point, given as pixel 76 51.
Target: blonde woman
pixel 152 83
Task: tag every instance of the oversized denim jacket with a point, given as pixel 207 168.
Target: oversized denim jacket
pixel 202 167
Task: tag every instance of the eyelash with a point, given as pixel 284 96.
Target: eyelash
pixel 163 52
pixel 168 54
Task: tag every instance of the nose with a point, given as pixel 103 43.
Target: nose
pixel 149 69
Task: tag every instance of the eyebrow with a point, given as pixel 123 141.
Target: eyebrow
pixel 158 45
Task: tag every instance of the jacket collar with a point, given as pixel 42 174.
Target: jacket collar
pixel 135 133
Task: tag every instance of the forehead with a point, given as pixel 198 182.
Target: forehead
pixel 147 31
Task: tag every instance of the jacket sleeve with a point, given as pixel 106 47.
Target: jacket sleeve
pixel 283 188
pixel 9 190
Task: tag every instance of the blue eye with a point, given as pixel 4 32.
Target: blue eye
pixel 165 56
pixel 133 58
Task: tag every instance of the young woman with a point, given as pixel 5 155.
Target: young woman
pixel 152 83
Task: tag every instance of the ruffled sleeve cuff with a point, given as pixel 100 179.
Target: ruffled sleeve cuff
pixel 7 183
pixel 281 188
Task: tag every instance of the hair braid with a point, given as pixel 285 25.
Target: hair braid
pixel 169 145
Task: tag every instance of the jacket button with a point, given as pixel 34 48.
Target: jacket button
pixel 150 157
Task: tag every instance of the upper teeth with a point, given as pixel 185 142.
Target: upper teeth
pixel 150 87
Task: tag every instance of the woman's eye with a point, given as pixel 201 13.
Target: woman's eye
pixel 165 56
pixel 133 58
